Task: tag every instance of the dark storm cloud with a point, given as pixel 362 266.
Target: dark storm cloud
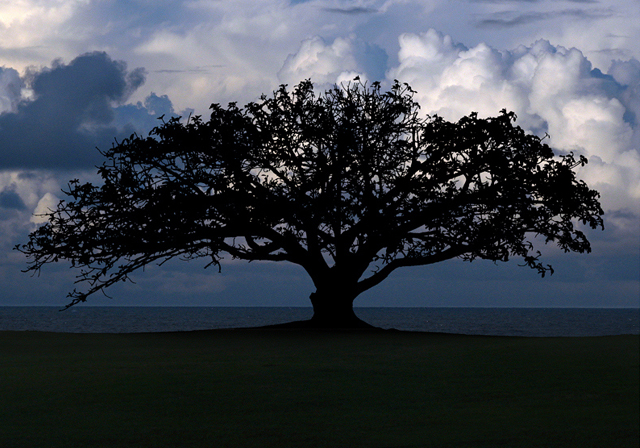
pixel 512 19
pixel 9 199
pixel 72 112
pixel 142 117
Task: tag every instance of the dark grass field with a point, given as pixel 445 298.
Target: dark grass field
pixel 291 388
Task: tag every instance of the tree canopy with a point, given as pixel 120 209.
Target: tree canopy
pixel 350 184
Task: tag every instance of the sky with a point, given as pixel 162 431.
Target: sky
pixel 77 74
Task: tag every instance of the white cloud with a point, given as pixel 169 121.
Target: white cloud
pixel 323 63
pixel 15 13
pixel 46 204
pixel 30 29
pixel 550 88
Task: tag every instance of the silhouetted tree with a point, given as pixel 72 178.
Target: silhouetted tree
pixel 350 184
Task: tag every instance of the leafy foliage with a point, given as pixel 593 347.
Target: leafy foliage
pixel 350 184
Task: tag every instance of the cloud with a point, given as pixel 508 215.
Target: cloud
pixel 340 61
pixel 9 199
pixel 51 121
pixel 508 1
pixel 202 69
pixel 198 51
pixel 511 19
pixel 45 205
pixel 177 40
pixel 20 193
pixel 627 74
pixel 551 88
pixel 144 115
pixel 73 108
pixel 11 86
pixel 351 10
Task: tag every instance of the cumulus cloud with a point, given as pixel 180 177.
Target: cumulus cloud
pixel 551 88
pixel 46 204
pixel 51 121
pixel 73 108
pixel 340 61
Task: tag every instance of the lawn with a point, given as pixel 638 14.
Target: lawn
pixel 294 388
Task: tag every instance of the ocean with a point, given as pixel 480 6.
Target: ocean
pixel 530 322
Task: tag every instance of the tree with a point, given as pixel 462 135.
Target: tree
pixel 351 185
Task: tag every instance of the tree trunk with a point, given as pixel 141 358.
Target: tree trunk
pixel 334 309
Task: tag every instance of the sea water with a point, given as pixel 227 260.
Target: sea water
pixel 533 322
